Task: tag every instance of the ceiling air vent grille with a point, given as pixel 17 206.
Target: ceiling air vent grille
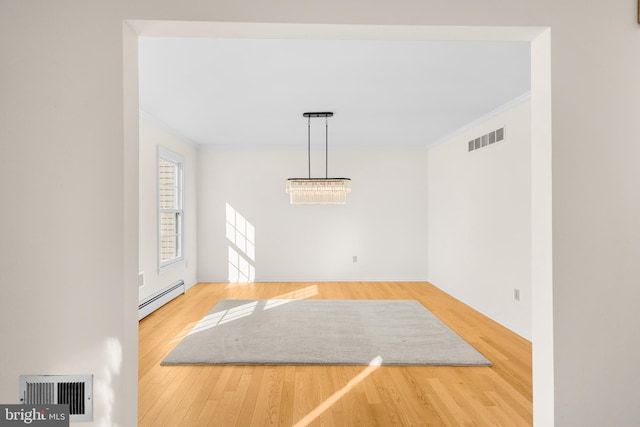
pixel 72 390
pixel 486 140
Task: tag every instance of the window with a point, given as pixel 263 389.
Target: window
pixel 170 208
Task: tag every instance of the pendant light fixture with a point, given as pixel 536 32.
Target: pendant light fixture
pixel 325 190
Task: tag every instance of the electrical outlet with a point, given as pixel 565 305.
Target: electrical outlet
pixel 516 294
pixel 355 258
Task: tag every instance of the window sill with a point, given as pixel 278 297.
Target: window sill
pixel 172 264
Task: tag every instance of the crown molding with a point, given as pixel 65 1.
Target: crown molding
pixel 525 97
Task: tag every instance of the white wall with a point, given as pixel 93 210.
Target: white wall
pixel 479 219
pixel 382 223
pixel 152 136
pixel 65 119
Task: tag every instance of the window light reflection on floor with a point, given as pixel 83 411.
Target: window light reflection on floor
pixel 303 293
pixel 225 316
pixel 318 410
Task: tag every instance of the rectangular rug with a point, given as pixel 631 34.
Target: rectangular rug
pixel 323 332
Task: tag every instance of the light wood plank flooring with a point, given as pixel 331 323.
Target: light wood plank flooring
pixel 333 395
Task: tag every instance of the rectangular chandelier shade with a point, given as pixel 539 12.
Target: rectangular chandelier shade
pixel 308 191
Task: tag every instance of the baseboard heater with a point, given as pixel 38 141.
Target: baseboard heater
pixel 157 300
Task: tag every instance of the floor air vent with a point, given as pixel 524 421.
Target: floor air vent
pixel 488 139
pixel 74 390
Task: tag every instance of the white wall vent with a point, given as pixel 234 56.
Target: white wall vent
pixel 486 140
pixel 74 390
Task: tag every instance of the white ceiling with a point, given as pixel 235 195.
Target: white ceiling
pixel 253 92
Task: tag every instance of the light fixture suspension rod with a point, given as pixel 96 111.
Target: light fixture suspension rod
pixel 326 116
pixel 309 145
pixel 326 147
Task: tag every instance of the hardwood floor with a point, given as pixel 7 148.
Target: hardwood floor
pixel 333 395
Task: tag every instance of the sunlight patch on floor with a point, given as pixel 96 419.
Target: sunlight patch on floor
pixel 225 316
pixel 311 416
pixel 285 298
pixel 184 332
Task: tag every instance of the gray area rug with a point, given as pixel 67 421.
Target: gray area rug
pixel 323 332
